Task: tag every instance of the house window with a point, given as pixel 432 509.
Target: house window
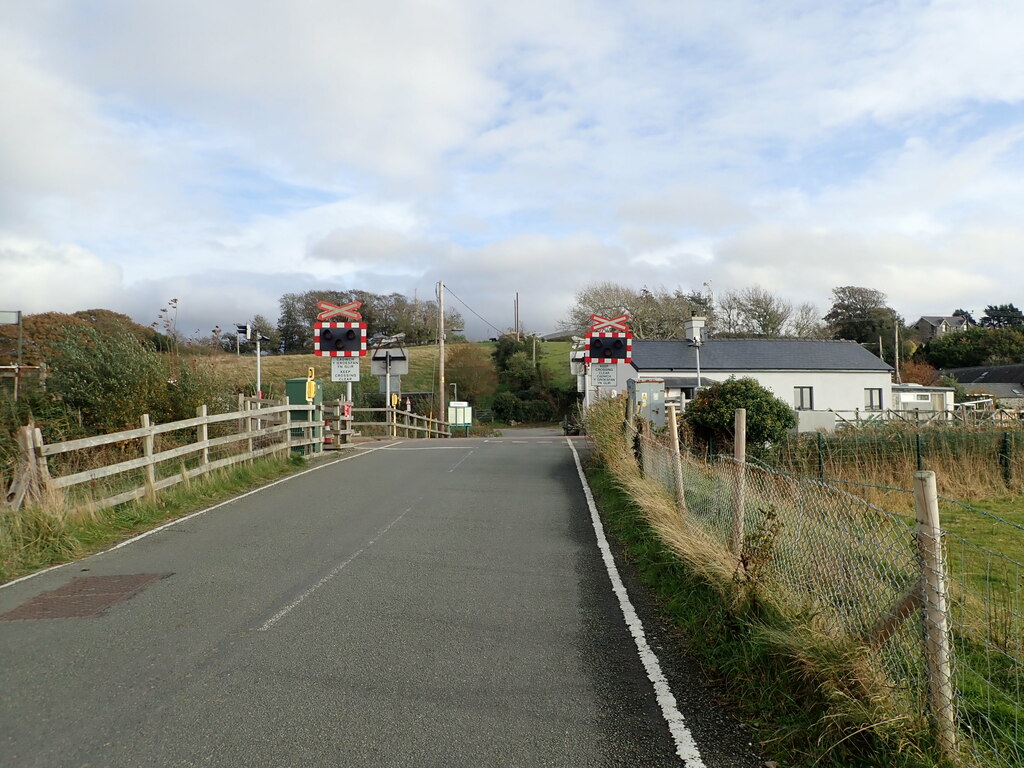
pixel 873 399
pixel 803 398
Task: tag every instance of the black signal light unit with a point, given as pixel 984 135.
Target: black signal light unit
pixel 339 339
pixel 609 347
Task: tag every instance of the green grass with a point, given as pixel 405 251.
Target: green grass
pixel 785 685
pixel 33 538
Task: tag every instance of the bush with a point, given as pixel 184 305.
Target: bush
pixel 112 379
pixel 537 411
pixel 712 413
pixel 507 407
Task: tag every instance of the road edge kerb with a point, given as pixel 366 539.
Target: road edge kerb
pixel 191 515
pixel 686 747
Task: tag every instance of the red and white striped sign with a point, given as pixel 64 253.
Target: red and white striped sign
pixel 619 323
pixel 359 328
pixel 596 348
pixel 349 311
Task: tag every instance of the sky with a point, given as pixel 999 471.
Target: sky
pixel 226 153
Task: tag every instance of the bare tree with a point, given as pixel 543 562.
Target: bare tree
pixel 807 322
pixel 654 313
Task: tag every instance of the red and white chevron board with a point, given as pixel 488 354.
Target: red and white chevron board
pixel 605 335
pixel 609 324
pixel 361 352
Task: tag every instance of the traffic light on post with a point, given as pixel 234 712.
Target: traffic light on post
pixel 339 339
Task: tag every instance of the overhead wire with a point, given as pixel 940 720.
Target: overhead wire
pixel 450 291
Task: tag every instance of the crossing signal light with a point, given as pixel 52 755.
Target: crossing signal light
pixel 609 347
pixel 339 339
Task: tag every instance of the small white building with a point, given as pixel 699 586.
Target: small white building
pixel 813 376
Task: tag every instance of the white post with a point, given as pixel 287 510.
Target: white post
pixel 938 654
pixel 259 381
pixel 442 387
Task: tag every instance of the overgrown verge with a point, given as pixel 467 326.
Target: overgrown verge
pixel 808 693
pixel 51 532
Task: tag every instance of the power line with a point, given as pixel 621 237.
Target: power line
pixel 450 291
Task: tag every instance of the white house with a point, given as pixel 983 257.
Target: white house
pixel 812 376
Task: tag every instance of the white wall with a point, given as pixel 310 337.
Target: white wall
pixel 835 390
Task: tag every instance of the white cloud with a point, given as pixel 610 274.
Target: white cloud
pixel 39 277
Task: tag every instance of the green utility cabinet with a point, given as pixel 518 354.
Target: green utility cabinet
pixel 295 390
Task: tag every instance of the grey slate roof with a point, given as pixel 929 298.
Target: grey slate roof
pixel 755 355
pixel 982 374
pixel 954 321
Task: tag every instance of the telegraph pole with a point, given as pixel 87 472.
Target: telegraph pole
pixel 442 415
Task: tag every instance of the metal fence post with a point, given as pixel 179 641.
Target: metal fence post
pixel 739 489
pixel 938 653
pixel 920 453
pixel 821 456
pixel 677 465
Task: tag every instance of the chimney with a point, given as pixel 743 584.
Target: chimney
pixel 693 329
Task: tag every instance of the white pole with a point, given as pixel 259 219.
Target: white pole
pixel 259 380
pixel 442 387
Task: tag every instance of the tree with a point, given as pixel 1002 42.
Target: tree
pixel 469 366
pixel 654 313
pixel 967 316
pixel 756 311
pixel 861 314
pixel 1002 316
pixel 807 323
pixel 919 372
pixel 712 413
pixel 976 346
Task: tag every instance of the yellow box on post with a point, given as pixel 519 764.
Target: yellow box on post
pixel 306 391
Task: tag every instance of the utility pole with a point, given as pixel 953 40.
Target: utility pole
pixel 896 352
pixel 441 416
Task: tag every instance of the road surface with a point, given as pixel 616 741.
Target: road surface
pixel 426 603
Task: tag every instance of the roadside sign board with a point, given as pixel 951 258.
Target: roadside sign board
pixel 344 369
pixel 460 414
pixel 603 374
pixel 395 358
pixel 396 384
pixel 10 317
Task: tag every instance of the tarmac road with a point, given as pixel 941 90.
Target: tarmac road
pixel 426 603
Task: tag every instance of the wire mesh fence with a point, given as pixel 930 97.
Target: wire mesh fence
pixel 966 460
pixel 945 654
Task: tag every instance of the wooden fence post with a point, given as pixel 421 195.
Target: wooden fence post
pixel 677 459
pixel 203 434
pixel 938 654
pixel 740 477
pixel 147 450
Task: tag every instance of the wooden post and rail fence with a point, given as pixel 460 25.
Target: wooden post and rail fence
pixel 138 463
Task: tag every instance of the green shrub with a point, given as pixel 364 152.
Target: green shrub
pixel 507 407
pixel 712 413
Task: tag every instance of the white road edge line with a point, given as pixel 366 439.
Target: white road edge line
pixel 686 747
pixel 334 572
pixel 159 528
